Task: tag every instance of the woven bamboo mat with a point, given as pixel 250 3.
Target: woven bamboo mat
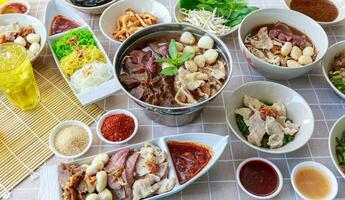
pixel 24 135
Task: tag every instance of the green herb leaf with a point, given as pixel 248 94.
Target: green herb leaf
pixel 264 141
pixel 167 60
pixel 242 125
pixel 170 71
pixel 172 49
pixel 184 57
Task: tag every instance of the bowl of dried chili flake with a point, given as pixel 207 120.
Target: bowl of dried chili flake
pixel 117 126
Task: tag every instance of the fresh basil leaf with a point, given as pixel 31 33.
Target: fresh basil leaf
pixel 169 71
pixel 172 49
pixel 184 57
pixel 167 60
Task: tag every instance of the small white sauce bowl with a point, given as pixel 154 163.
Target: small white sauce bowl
pixel 114 112
pixel 340 4
pixel 280 178
pixel 322 168
pixel 327 60
pixel 64 124
pixel 25 3
pixel 336 131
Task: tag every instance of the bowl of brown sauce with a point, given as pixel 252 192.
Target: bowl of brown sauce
pixel 325 12
pixel 15 7
pixel 259 178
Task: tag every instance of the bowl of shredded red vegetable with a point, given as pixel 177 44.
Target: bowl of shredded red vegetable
pixel 117 126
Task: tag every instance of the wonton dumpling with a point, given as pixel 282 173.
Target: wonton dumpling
pixel 166 185
pixel 252 102
pixel 275 132
pixel 256 129
pixel 145 187
pixel 264 41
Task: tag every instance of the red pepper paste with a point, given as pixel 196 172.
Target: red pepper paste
pixel 118 127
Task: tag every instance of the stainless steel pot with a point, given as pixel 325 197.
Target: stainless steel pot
pixel 169 116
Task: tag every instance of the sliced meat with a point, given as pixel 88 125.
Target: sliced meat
pixel 128 81
pixel 115 167
pixel 130 167
pixel 339 62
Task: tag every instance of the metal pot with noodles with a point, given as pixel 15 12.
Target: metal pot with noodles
pixel 173 71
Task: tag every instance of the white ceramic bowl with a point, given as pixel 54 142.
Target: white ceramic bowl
pixel 297 109
pixel 295 19
pixel 324 169
pixel 61 125
pixel 332 51
pixel 107 22
pixel 92 10
pixel 25 20
pixel 341 8
pixel 280 178
pixel 336 131
pixel 27 5
pixel 114 112
pixel 179 16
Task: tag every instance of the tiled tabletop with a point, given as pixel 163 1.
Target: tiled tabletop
pixel 220 182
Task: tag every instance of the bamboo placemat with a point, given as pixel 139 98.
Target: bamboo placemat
pixel 24 135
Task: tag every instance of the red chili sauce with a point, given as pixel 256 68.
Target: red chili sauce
pixel 14 8
pixel 118 127
pixel 259 178
pixel 188 158
pixel 61 24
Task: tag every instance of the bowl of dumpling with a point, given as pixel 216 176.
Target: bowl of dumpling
pixel 269 117
pixel 172 71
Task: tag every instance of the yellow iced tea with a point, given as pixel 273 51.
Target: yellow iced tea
pixel 17 81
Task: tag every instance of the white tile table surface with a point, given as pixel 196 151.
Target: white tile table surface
pixel 220 182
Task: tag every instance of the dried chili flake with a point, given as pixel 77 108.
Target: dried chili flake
pixel 118 127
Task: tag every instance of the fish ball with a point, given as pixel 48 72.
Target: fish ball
pixel 92 196
pixel 205 42
pixel 32 38
pixel 187 38
pixel 101 181
pixel 296 52
pixel 190 49
pixel 200 60
pixel 103 157
pixel 179 46
pixel 286 49
pixel 20 40
pixel 105 195
pixel 94 168
pixel 211 56
pixel 308 51
pixel 191 66
pixel 34 48
pixel 293 63
pixel 305 60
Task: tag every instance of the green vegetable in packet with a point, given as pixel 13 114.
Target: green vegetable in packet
pixel 66 44
pixel 233 10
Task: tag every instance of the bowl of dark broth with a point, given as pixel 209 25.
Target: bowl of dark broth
pixel 90 6
pixel 325 12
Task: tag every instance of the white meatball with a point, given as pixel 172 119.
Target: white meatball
pixel 94 168
pixel 295 52
pixel 179 46
pixel 105 195
pixel 92 196
pixel 191 66
pixel 211 56
pixel 103 157
pixel 101 181
pixel 30 54
pixel 20 40
pixel 32 38
pixel 34 48
pixel 286 49
pixel 190 49
pixel 293 63
pixel 187 38
pixel 205 42
pixel 308 51
pixel 200 60
pixel 305 60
